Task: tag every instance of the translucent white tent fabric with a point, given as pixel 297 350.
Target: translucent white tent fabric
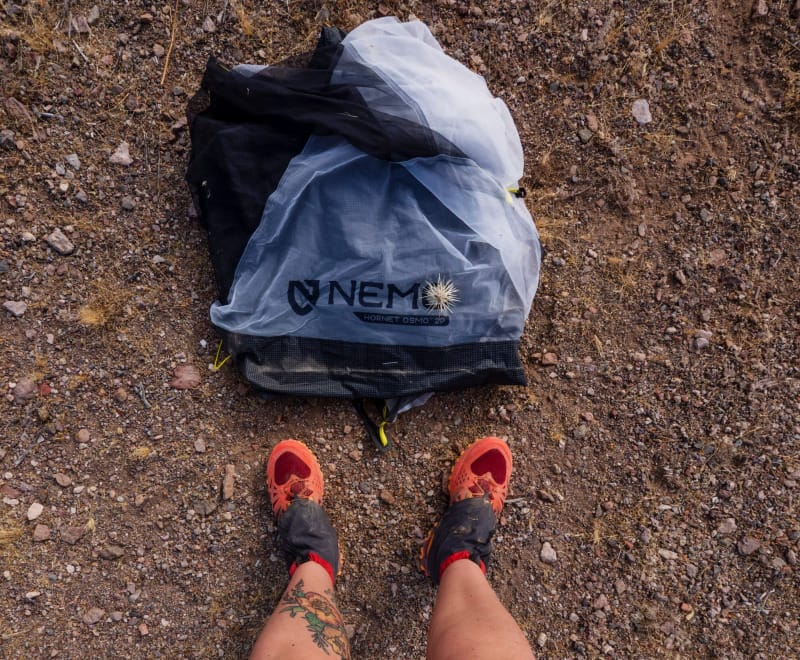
pixel 435 90
pixel 342 216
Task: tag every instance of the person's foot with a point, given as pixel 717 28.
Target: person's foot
pixel 478 488
pixel 293 472
pixel 295 485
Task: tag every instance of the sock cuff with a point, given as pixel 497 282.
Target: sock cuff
pixel 456 556
pixel 313 556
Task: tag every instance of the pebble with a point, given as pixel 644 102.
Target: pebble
pixel 34 511
pixel 111 552
pixel 73 161
pixel 584 134
pixel 591 122
pixel 121 394
pixel 641 111
pixel 83 435
pixel 580 431
pixel 72 534
pixel 158 50
pixel 116 615
pixel 62 479
pixel 667 554
pixel 541 640
pixel 60 243
pixel 748 545
pixel 548 554
pixel 727 526
pixel 122 155
pixel 549 359
pixel 16 307
pixel 128 203
pixel 200 445
pixel 143 629
pixel 41 533
pixel 93 616
pixel 30 595
pixel 387 497
pixel 601 602
pixel 24 390
pixel 228 482
pixel 94 15
pixel 209 25
pixel 620 587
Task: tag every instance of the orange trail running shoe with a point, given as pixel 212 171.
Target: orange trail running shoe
pixel 478 489
pixel 482 470
pixel 293 472
pixel 295 485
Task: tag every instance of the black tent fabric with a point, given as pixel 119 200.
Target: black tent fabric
pixel 362 233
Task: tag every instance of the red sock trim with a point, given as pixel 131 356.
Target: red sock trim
pixel 456 556
pixel 313 556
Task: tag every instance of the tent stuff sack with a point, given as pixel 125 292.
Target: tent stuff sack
pixel 362 222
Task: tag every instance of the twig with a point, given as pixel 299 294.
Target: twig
pixel 139 389
pixel 83 55
pixel 173 31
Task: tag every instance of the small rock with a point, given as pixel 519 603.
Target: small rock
pixel 94 15
pixel 131 103
pixel 72 534
pixel 641 111
pixel 121 394
pixel 580 431
pixel 638 356
pixel 591 122
pixel 34 511
pixel 680 276
pixel 18 111
pixel 727 526
pixel 667 554
pixel 387 497
pixel 549 359
pixel 601 602
pixel 642 230
pixel 80 24
pixel 355 455
pixel 748 545
pixel 16 307
pixel 209 25
pixel 116 616
pixel 620 587
pixel 548 554
pixel 73 161
pixel 186 376
pixel 760 8
pixel 93 616
pixel 158 50
pixel 62 479
pixel 585 135
pixel 122 155
pixel 24 390
pixel 41 533
pixel 205 508
pixel 83 435
pixel 228 482
pixel 30 595
pixel 111 552
pixel 128 203
pixel 143 629
pixel 60 243
pixel 700 343
pixel 791 557
pixel 200 445
pixel 541 640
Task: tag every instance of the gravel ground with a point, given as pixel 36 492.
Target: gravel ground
pixel 653 510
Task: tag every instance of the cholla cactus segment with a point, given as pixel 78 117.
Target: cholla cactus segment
pixel 440 295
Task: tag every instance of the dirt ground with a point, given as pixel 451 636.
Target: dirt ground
pixel 656 446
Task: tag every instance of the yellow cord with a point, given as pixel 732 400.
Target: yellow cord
pixel 217 364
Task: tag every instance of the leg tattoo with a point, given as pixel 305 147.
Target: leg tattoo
pixel 324 621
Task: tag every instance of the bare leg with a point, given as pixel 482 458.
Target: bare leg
pixel 470 622
pixel 306 623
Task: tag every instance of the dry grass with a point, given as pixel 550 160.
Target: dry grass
pixel 243 17
pixel 105 305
